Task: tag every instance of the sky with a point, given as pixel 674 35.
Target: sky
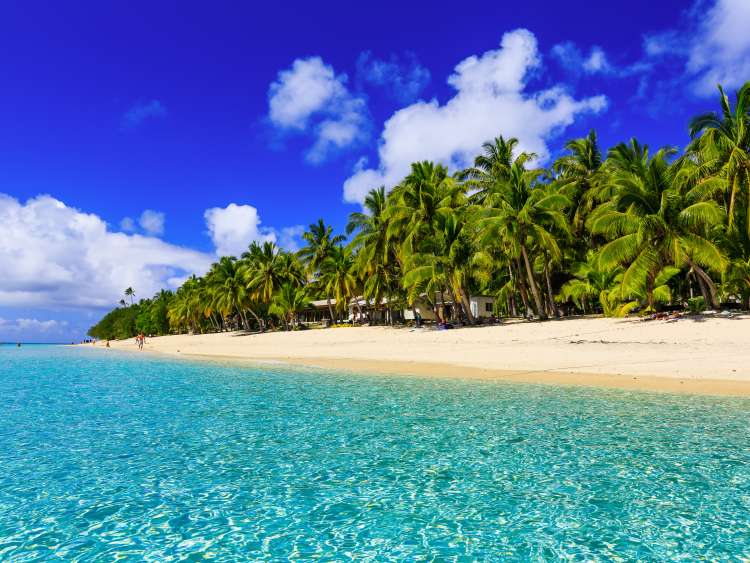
pixel 140 140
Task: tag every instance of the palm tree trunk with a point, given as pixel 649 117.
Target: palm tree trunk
pixel 511 296
pixel 532 284
pixel 732 201
pixel 706 279
pixel 466 302
pixel 522 290
pixel 330 309
pixel 257 320
pixel 553 307
pixel 456 306
pixel 244 319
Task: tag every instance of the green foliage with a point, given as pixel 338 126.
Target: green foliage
pixel 625 233
pixel 696 304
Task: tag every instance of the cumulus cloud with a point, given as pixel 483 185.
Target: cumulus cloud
pixel 152 222
pixel 142 111
pixel 57 256
pixel 403 78
pixel 310 98
pixel 710 46
pixel 234 227
pixel 490 100
pixel 720 51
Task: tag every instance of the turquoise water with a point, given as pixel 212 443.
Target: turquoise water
pixel 108 456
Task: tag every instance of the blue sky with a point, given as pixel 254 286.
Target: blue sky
pixel 138 140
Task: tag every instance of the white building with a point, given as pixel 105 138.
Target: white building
pixel 482 306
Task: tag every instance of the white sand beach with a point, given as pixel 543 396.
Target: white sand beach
pixel 693 354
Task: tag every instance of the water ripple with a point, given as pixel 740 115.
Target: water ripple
pixel 116 457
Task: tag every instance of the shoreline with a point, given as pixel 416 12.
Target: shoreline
pixel 703 356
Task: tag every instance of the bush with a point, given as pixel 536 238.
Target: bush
pixel 696 304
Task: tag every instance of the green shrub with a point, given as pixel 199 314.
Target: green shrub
pixel 696 304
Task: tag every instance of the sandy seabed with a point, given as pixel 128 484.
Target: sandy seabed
pixel 702 354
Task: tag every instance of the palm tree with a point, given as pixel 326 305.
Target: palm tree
pixel 590 283
pixel 651 223
pixel 524 214
pixel 129 292
pixel 376 259
pixel 579 178
pixel 320 243
pixel 265 269
pixel 416 203
pixel 229 291
pixel 723 143
pixel 186 309
pixel 288 302
pixel 493 167
pixel 338 277
pixel 443 261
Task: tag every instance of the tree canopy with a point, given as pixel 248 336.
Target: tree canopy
pixel 612 232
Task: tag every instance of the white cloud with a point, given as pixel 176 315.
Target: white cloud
pixel 234 227
pixel 32 325
pixel 142 111
pixel 573 59
pixel 576 62
pixel 403 80
pixel 720 51
pixel 711 43
pixel 127 224
pixel 289 237
pixel 57 256
pixel 664 44
pixel 490 100
pixel 347 127
pixel 596 61
pixel 310 97
pixel 152 222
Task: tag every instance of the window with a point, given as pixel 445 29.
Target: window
pixel 488 307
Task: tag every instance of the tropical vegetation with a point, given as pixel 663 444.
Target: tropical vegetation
pixel 632 229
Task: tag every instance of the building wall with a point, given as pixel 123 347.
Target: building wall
pixel 482 306
pixel 424 309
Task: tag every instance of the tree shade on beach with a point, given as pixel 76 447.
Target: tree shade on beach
pixel 635 230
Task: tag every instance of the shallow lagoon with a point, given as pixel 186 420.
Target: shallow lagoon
pixel 105 454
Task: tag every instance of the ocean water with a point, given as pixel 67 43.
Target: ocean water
pixel 106 456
